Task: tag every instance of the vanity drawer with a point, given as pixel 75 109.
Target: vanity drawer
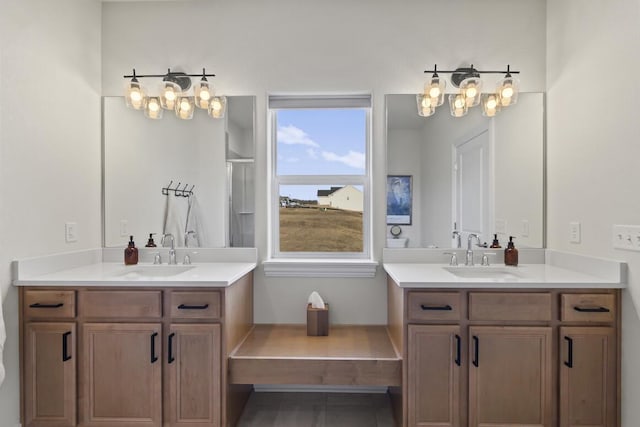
pixel 510 306
pixel 194 305
pixel 49 304
pixel 588 307
pixel 424 305
pixel 120 304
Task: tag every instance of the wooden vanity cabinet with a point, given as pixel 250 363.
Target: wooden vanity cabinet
pixel 588 360
pixel 193 374
pixel 148 357
pixel 49 358
pixel 489 357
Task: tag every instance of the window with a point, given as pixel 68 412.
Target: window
pixel 320 177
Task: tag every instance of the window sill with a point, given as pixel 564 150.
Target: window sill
pixel 319 268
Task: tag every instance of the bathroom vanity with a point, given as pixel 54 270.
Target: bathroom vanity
pixel 539 347
pixel 175 345
pixel 109 345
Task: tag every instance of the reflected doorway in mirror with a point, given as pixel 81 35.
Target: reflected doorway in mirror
pixel 399 200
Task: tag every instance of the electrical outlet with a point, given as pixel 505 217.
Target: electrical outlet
pixel 574 232
pixel 70 232
pixel 501 226
pixel 525 228
pixel 124 228
pixel 626 237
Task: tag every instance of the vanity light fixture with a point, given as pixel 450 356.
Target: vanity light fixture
pixel 467 80
pixel 174 95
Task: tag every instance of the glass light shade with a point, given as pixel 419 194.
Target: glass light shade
pixel 434 89
pixel 218 107
pixel 507 90
pixel 184 107
pixel 490 104
pixel 203 94
pixel 426 105
pixel 152 108
pixel 471 89
pixel 458 105
pixel 135 95
pixel 169 93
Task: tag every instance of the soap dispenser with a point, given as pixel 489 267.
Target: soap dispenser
pixel 496 243
pixel 511 253
pixel 150 242
pixel 131 253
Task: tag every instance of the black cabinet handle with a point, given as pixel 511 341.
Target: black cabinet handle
pixel 569 362
pixel 436 307
pixel 193 307
pixel 170 357
pixel 591 309
pixel 154 358
pixel 457 361
pixel 38 305
pixel 476 351
pixel 65 347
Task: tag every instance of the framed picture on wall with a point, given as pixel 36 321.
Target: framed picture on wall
pixel 399 200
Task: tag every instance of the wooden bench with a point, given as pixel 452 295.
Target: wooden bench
pixel 284 354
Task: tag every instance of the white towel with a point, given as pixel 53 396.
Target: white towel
pixel 194 230
pixel 3 337
pixel 173 222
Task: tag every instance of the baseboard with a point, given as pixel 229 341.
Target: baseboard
pixel 285 388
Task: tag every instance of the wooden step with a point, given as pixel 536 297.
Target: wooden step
pixel 284 354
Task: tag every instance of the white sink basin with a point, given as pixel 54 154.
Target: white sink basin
pixel 497 273
pixel 154 271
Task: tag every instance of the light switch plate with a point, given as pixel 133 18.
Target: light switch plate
pixel 626 237
pixel 525 228
pixel 574 232
pixel 70 232
pixel 124 228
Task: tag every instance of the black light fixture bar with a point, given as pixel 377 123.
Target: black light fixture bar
pixel 465 69
pixel 169 72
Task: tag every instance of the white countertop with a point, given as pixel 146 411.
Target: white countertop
pixel 213 274
pixel 541 276
pixel 98 267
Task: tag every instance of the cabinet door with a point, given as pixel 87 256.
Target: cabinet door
pixel 121 374
pixel 193 376
pixel 588 377
pixel 49 374
pixel 434 375
pixel 510 380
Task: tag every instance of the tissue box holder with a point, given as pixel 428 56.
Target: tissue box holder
pixel 317 321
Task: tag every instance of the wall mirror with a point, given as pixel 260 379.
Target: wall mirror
pixel 145 161
pixel 472 174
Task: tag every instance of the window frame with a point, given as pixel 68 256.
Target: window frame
pixel 278 103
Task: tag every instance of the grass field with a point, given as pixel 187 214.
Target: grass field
pixel 317 230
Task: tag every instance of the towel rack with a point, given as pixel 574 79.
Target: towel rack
pixel 177 191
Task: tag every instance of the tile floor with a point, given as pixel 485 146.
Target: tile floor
pixel 267 409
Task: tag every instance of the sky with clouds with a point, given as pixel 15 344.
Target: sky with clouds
pixel 320 142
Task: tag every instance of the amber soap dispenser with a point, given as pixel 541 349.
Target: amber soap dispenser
pixel 511 253
pixel 131 253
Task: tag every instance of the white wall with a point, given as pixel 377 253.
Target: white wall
pixel 310 46
pixel 593 149
pixel 49 144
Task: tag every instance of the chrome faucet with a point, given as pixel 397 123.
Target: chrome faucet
pixel 469 260
pixel 456 235
pixel 172 250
